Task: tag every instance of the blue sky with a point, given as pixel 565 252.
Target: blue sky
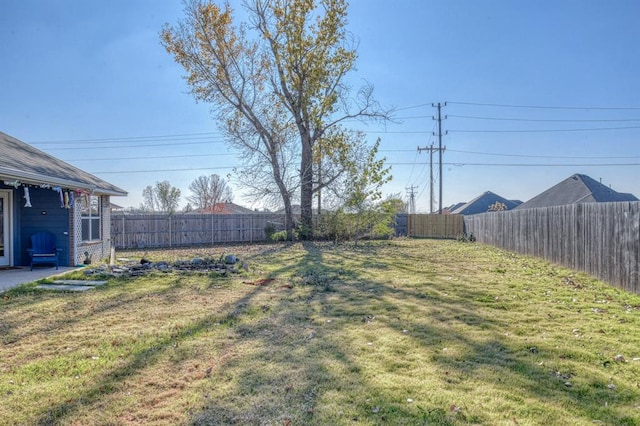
pixel 89 82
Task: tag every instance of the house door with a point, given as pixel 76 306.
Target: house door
pixel 5 241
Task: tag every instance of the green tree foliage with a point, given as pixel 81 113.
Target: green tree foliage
pixel 363 213
pixel 278 87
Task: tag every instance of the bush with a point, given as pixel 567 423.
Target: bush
pixel 279 236
pixel 467 238
pixel 334 226
pixel 269 230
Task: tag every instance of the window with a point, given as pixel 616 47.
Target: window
pixel 90 218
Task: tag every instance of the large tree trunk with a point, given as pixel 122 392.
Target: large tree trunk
pixel 306 189
pixel 290 221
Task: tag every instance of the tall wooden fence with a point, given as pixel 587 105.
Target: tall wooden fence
pixel 602 239
pixel 435 225
pixel 181 230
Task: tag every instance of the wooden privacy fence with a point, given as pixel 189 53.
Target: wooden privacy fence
pixel 435 225
pixel 602 239
pixel 181 230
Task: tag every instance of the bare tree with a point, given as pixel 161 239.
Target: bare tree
pixel 207 191
pixel 280 91
pixel 497 207
pixel 149 202
pixel 161 198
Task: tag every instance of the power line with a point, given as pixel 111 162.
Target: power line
pixel 151 157
pixel 183 136
pixel 414 106
pixel 546 164
pixel 546 107
pixel 413 166
pixel 544 130
pixel 163 170
pixel 471 117
pixel 431 150
pixel 134 146
pixel 403 132
pixel 544 156
pixel 460 164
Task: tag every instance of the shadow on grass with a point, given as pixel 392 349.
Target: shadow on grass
pixel 329 367
pixel 75 309
pixel 29 298
pixel 299 366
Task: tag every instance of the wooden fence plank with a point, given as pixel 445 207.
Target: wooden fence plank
pixel 154 230
pixel 602 239
pixel 435 226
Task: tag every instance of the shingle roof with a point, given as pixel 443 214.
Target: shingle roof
pixel 576 189
pixel 224 208
pixel 481 204
pixel 22 162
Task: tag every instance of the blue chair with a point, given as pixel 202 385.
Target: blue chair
pixel 43 249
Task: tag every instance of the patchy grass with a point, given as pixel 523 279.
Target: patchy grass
pixel 402 332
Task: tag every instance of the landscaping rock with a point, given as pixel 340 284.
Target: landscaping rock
pixel 144 266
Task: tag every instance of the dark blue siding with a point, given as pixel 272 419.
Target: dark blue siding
pixel 45 215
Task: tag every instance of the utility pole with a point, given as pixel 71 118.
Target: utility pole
pixel 440 150
pixel 412 199
pixel 431 150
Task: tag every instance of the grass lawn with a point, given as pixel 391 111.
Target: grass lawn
pixel 403 332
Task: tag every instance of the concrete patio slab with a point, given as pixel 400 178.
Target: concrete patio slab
pixel 64 287
pixel 10 278
pixel 80 282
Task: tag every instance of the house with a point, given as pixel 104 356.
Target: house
pixel 576 189
pixel 483 203
pixel 223 208
pixel 39 192
pixel 451 208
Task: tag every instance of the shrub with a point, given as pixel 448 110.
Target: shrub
pixel 279 236
pixel 269 230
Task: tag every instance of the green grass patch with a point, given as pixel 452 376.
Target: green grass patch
pixel 402 332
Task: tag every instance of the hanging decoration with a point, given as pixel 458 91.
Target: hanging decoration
pixel 27 197
pixel 68 197
pixel 59 191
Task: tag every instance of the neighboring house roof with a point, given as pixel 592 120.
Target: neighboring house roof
pixel 22 162
pixel 481 204
pixel 224 208
pixel 455 206
pixel 297 210
pixel 576 189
